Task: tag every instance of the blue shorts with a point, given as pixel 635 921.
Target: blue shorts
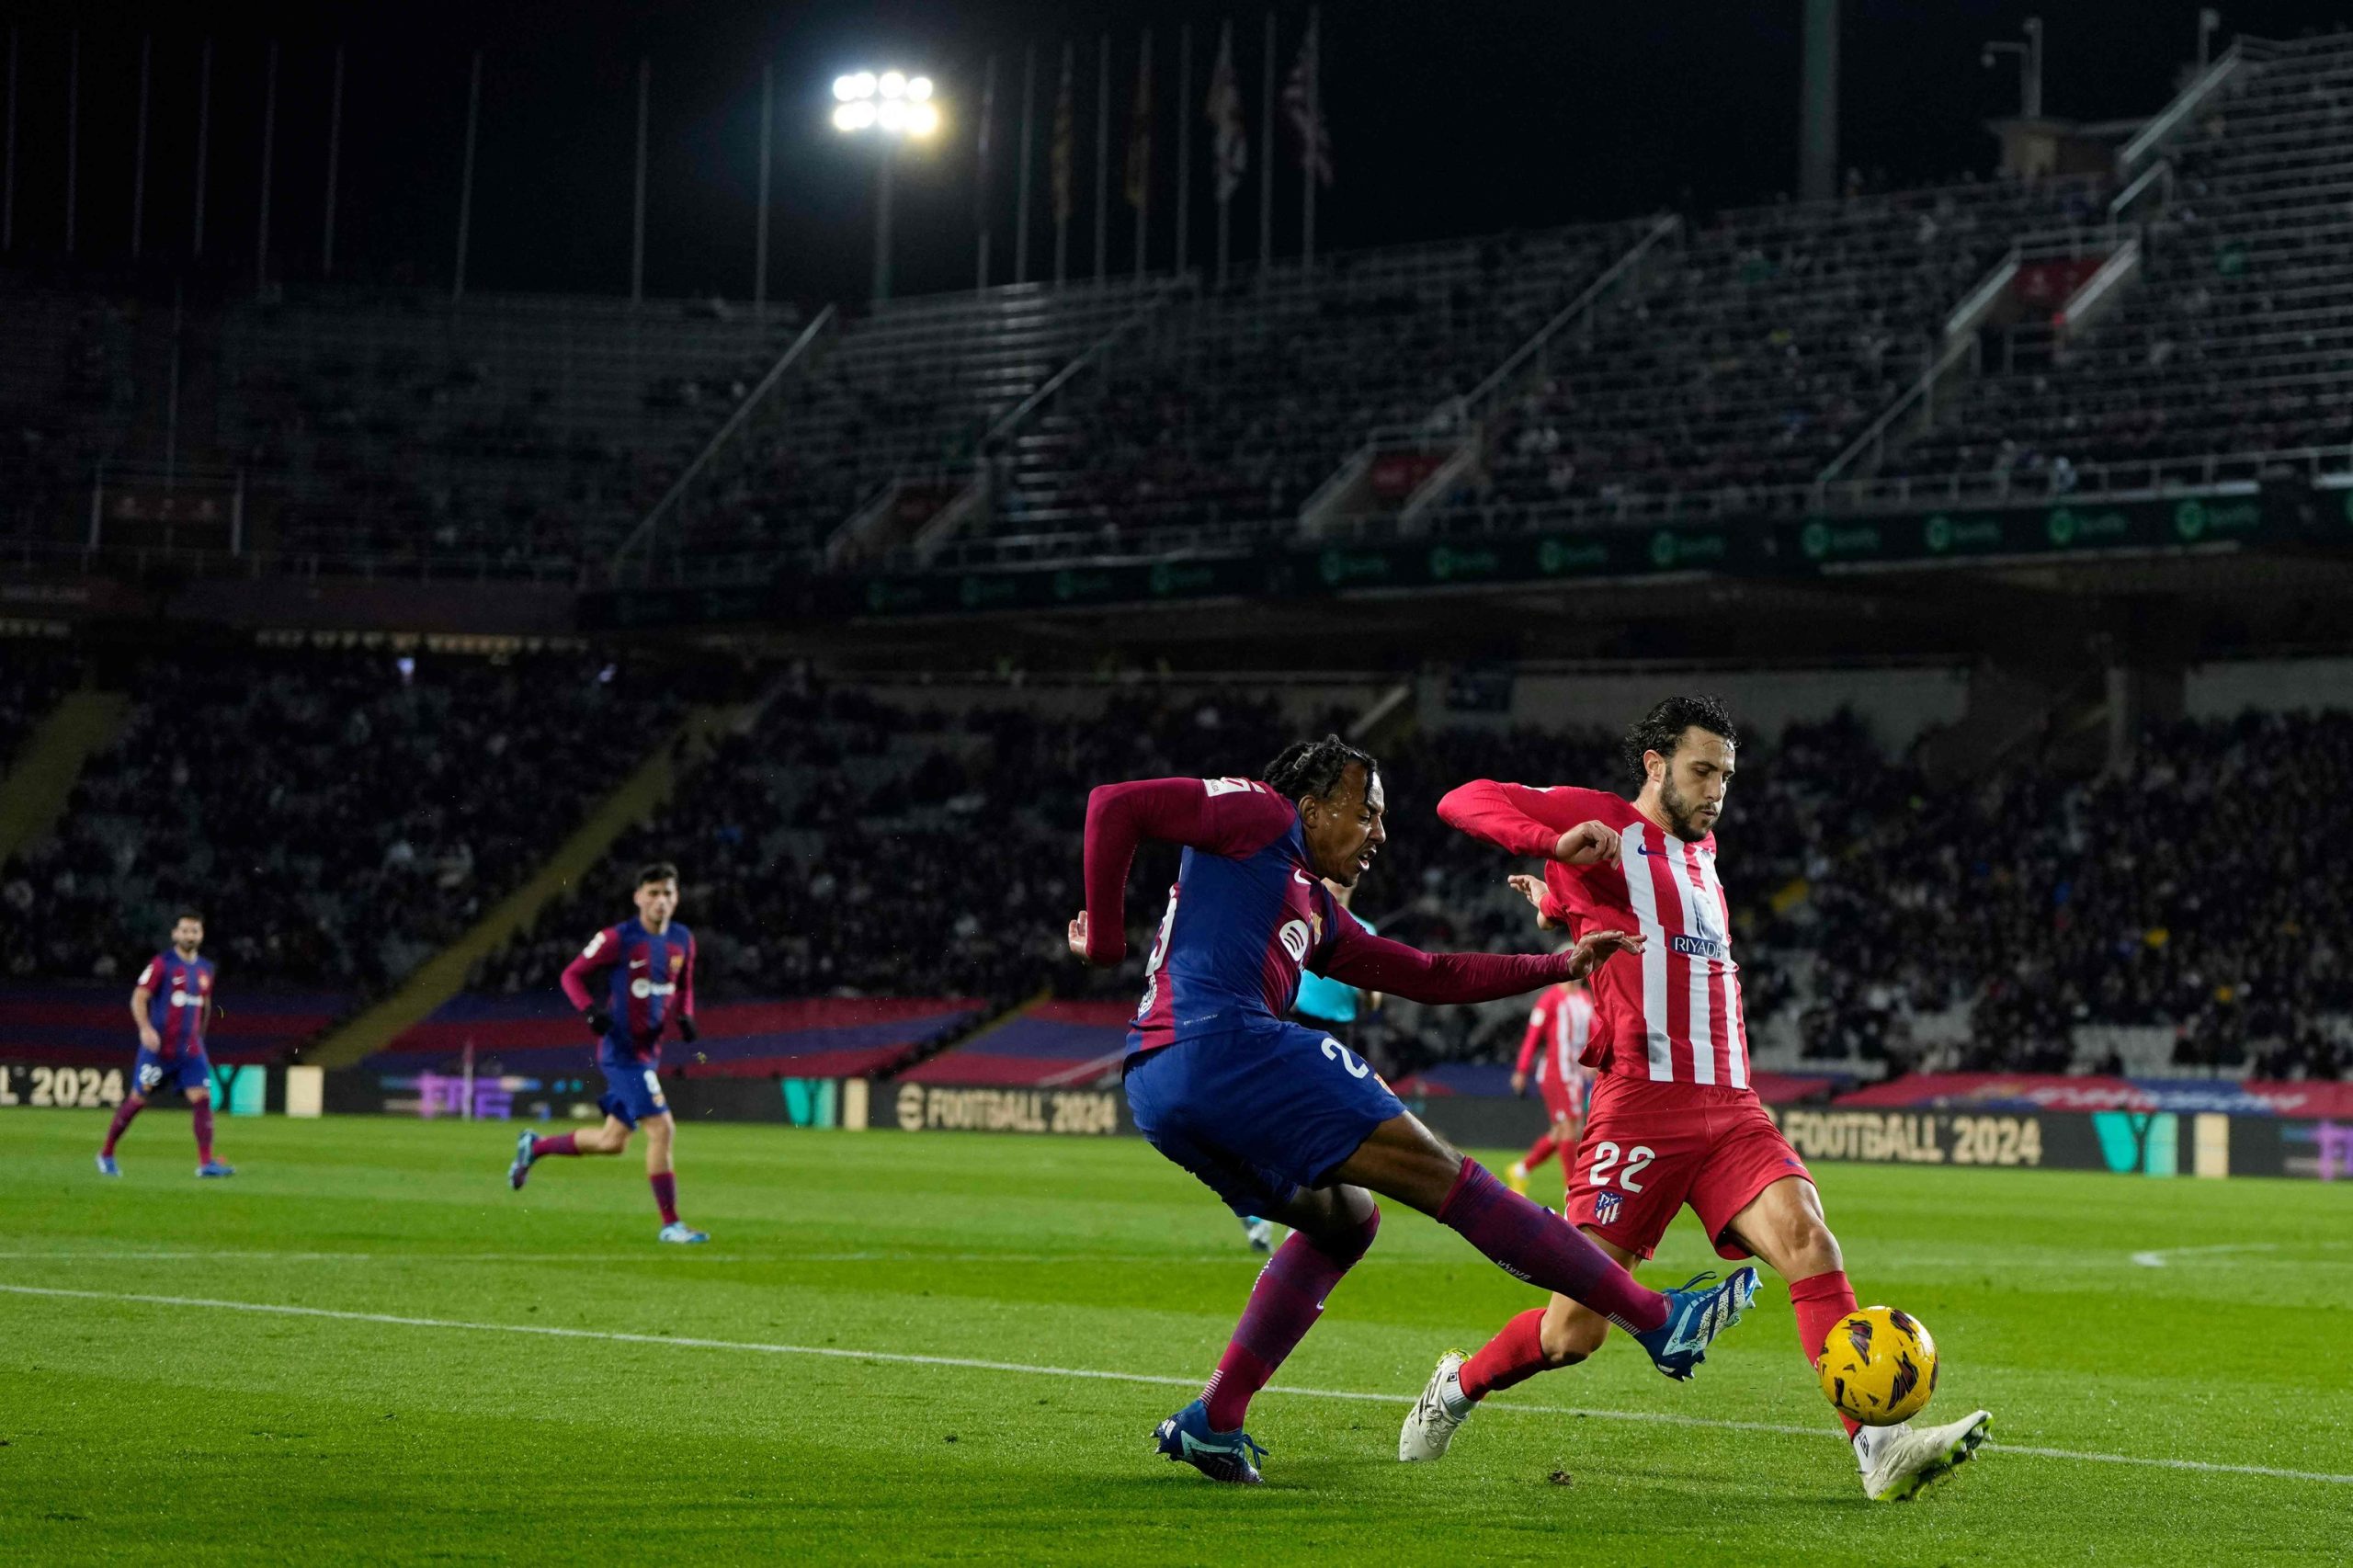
pixel 1260 1112
pixel 189 1070
pixel 631 1092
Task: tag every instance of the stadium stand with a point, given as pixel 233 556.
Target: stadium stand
pixel 339 815
pixel 1044 1045
pixel 1232 409
pixel 34 672
pixel 1769 344
pixel 902 397
pixel 2227 357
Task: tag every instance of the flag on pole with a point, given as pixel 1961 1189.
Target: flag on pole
pixel 1058 155
pixel 1303 103
pixel 1230 139
pixel 1139 170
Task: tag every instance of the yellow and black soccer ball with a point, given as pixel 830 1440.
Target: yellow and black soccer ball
pixel 1879 1366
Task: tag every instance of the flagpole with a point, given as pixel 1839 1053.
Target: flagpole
pixel 1102 150
pixel 334 162
pixel 268 147
pixel 1184 142
pixel 1307 159
pixel 1062 184
pixel 1267 160
pixel 1021 203
pixel 988 116
pixel 139 158
pixel 760 234
pixel 1144 187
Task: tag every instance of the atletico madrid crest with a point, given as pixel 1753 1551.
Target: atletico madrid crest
pixel 1605 1208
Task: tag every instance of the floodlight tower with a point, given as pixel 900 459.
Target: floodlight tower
pixel 890 107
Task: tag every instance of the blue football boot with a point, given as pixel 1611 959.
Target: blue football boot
pixel 522 1165
pixel 1186 1437
pixel 215 1168
pixel 108 1167
pixel 1694 1317
pixel 679 1231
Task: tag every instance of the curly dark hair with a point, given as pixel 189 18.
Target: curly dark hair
pixel 1661 729
pixel 1316 768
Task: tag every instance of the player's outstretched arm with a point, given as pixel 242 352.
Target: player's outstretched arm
pixel 1223 816
pixel 1358 958
pixel 1558 824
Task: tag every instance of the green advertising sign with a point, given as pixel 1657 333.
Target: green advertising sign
pixel 1751 548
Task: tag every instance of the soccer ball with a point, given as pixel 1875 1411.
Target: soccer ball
pixel 1879 1366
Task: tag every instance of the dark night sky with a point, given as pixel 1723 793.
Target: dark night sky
pixel 1482 116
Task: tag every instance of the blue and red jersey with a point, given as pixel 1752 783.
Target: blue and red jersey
pixel 1248 913
pixel 653 981
pixel 179 1001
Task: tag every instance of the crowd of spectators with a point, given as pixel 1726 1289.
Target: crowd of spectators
pixel 848 844
pixel 1238 405
pixel 337 817
pixel 2233 338
pixel 1759 352
pixel 33 675
pixel 2182 892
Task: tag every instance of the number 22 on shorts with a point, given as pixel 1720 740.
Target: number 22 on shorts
pixel 1604 1157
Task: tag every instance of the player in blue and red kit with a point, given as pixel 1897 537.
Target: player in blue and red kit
pixel 653 963
pixel 171 1003
pixel 1283 1121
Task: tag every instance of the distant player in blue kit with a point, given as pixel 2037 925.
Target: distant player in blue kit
pixel 171 1002
pixel 1283 1121
pixel 653 963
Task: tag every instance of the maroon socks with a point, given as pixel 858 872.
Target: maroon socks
pixel 666 1196
pixel 203 1109
pixel 563 1143
pixel 1284 1304
pixel 122 1114
pixel 1533 1243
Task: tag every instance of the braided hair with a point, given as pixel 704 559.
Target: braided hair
pixel 1316 768
pixel 1661 729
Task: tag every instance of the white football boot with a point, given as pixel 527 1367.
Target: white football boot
pixel 1899 1460
pixel 1430 1425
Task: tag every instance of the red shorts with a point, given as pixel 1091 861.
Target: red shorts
pixel 1651 1148
pixel 1562 1103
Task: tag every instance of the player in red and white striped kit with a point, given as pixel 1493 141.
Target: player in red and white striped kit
pixel 1557 1031
pixel 1674 1119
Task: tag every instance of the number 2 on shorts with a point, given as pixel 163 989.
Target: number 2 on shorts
pixel 1605 1156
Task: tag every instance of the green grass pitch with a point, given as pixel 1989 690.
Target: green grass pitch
pixel 687 1417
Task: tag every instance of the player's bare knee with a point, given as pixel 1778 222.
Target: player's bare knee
pixel 1817 1252
pixel 1570 1333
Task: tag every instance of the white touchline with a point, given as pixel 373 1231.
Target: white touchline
pixel 612 1337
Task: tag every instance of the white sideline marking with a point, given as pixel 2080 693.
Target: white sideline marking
pixel 2161 1259
pixel 697 1255
pixel 549 1331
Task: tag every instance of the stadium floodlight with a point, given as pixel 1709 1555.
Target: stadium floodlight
pixel 895 106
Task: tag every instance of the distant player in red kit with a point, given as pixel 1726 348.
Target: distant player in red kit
pixel 1674 1119
pixel 1284 1121
pixel 172 1002
pixel 653 962
pixel 1557 1032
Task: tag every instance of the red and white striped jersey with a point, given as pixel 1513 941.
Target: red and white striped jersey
pixel 1673 1013
pixel 1560 1028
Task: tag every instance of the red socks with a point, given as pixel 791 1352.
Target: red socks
pixel 1539 1151
pixel 1512 1357
pixel 1821 1301
pixel 122 1114
pixel 666 1196
pixel 203 1109
pixel 1533 1243
pixel 563 1143
pixel 1284 1304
